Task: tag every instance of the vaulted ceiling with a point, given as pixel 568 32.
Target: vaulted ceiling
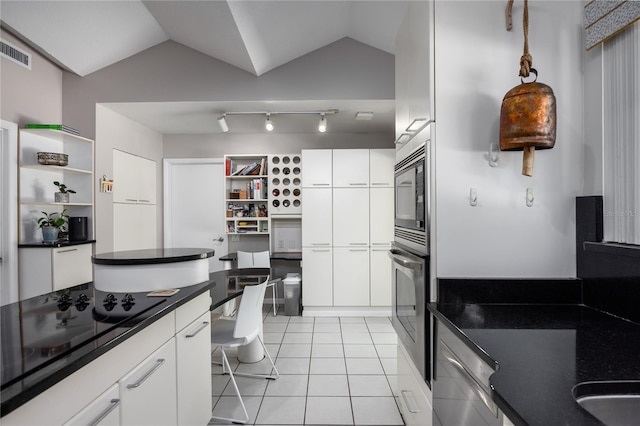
pixel 256 36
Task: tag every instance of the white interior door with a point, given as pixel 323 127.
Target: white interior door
pixel 194 206
pixel 8 213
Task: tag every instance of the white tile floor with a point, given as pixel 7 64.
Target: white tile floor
pixel 333 371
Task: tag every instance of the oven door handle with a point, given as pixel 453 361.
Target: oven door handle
pixel 404 261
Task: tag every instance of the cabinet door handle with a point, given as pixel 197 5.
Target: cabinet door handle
pixel 321 184
pixel 145 201
pixel 146 375
pixel 357 249
pixel 202 327
pixel 113 405
pixel 380 183
pixel 320 244
pixel 66 251
pixel 358 183
pixel 381 244
pixel 130 199
pixel 404 393
pixel 358 244
pixel 320 251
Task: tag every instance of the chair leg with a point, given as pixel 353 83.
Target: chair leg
pixel 262 376
pixel 275 296
pixel 235 386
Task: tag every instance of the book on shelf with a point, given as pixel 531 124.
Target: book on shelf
pixel 249 170
pixel 263 164
pixel 239 171
pixel 61 127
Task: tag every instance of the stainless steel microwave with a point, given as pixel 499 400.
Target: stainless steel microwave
pixel 411 218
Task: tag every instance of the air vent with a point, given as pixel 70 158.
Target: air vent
pixel 417 237
pixel 411 158
pixel 15 54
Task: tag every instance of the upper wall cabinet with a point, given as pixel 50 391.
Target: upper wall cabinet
pixel 350 168
pixel 317 168
pixel 415 83
pixel 36 180
pixel 381 166
pixel 134 179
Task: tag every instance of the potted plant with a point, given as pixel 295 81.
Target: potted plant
pixel 52 224
pixel 63 195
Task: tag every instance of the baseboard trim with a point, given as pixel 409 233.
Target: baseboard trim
pixel 346 311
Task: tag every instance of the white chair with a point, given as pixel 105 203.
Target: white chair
pixel 244 330
pixel 260 259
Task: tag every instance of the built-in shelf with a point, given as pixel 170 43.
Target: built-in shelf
pixel 55 169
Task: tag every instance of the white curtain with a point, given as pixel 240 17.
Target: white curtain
pixel 621 136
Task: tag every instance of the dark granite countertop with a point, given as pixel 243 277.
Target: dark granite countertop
pixel 151 256
pixel 48 337
pixel 56 244
pixel 543 351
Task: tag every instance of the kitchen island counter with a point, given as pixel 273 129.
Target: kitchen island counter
pixel 543 351
pixel 47 338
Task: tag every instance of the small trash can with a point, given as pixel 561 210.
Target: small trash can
pixel 292 285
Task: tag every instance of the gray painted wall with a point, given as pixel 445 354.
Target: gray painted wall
pixel 345 69
pixel 30 96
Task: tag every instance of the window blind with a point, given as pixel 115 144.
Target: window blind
pixel 621 136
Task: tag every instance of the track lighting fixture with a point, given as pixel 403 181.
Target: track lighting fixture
pixel 222 122
pixel 322 127
pixel 268 124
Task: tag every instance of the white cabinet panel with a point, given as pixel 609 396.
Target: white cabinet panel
pixel 71 266
pixel 193 348
pixel 380 276
pixel 125 226
pixel 381 216
pixel 413 400
pixel 148 392
pixel 350 168
pixel 147 229
pixel 351 276
pixel 350 217
pixel 125 177
pixel 317 168
pixel 317 276
pixel 103 411
pixel 381 167
pixel 146 181
pixel 316 214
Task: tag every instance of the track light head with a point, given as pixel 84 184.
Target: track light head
pixel 322 127
pixel 268 124
pixel 222 122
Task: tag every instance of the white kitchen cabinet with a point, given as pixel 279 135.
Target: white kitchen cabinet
pixel 316 217
pixel 381 167
pixel 415 83
pixel 134 226
pixel 317 168
pixel 351 276
pixel 380 276
pixel 350 168
pixel 317 276
pixel 134 179
pixel 381 216
pixel 413 393
pixel 57 268
pixel 193 349
pixel 103 411
pixel 147 226
pixel 148 392
pixel 350 217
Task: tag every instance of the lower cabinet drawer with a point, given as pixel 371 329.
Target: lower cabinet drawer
pixel 103 411
pixel 71 266
pixel 413 401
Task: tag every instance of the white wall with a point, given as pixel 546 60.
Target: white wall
pixel 114 131
pixel 477 62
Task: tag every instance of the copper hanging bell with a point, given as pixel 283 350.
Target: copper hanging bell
pixel 528 121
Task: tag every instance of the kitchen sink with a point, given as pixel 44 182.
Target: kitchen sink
pixel 613 403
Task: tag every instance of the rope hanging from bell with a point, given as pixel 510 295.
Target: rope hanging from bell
pixel 526 60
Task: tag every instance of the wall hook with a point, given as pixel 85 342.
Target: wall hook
pixel 473 197
pixel 494 154
pixel 530 197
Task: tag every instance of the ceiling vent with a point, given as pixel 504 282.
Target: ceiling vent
pixel 15 54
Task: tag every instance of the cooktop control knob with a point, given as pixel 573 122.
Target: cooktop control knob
pixel 127 302
pixel 109 302
pixel 64 302
pixel 82 301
